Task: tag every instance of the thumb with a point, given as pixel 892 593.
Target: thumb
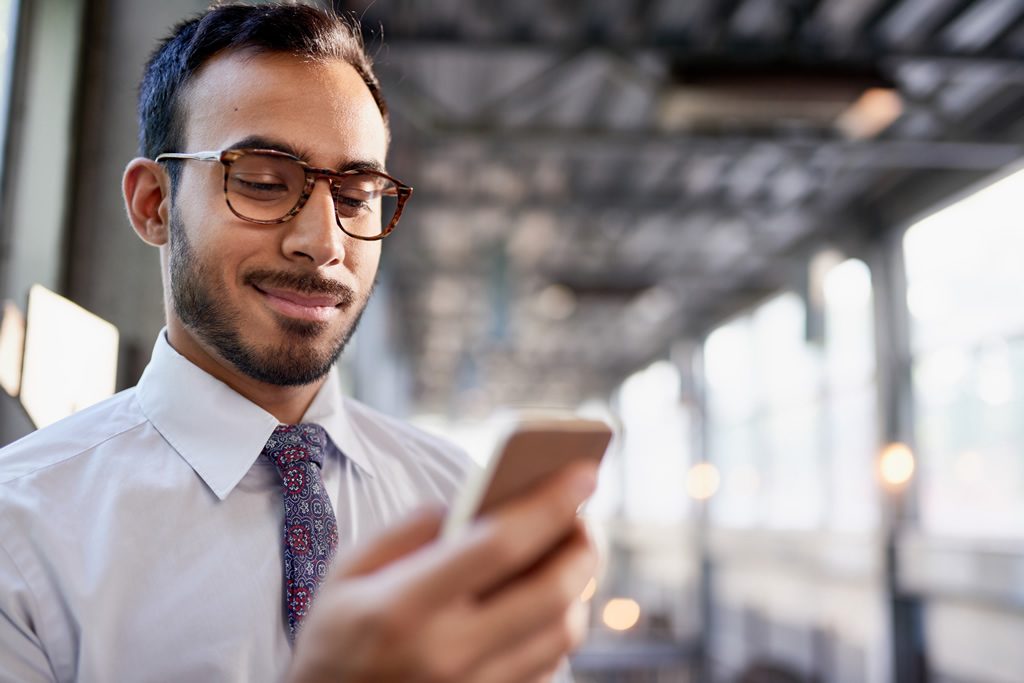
pixel 420 528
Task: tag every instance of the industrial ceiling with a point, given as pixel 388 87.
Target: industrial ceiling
pixel 597 179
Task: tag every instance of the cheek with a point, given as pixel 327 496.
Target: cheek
pixel 364 259
pixel 200 194
pixel 214 234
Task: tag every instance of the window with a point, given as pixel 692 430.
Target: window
pixel 8 24
pixel 791 424
pixel 851 403
pixel 964 280
pixel 764 424
pixel 656 448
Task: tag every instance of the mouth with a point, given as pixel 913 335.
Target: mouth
pixel 313 307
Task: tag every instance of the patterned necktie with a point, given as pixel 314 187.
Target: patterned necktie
pixel 310 530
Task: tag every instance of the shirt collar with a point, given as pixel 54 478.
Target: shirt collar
pixel 329 411
pixel 216 430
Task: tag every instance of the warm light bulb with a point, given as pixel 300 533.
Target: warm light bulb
pixel 621 614
pixel 873 112
pixel 702 481
pixel 896 464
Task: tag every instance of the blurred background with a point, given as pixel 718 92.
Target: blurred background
pixel 776 242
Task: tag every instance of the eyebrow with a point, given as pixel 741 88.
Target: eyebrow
pixel 262 142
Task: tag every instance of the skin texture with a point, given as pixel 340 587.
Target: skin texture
pixel 499 604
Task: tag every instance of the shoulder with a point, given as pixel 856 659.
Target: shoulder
pixel 71 437
pixel 365 415
pixel 397 444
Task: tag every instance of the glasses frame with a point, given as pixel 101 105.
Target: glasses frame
pixel 228 156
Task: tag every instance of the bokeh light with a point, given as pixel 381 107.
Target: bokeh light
pixel 621 614
pixel 589 590
pixel 702 481
pixel 896 464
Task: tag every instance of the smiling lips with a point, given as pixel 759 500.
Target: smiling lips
pixel 304 306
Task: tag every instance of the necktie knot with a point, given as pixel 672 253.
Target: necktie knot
pixel 291 444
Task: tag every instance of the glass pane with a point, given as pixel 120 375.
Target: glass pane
pixel 970 435
pixel 849 325
pixel 9 10
pixel 729 372
pixel 964 274
pixel 738 502
pixel 851 440
pixel 656 453
pixel 964 282
pixel 794 488
pixel 782 358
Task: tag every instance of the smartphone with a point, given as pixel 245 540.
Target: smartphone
pixel 530 451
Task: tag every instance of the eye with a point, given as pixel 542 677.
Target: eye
pixel 350 205
pixel 261 185
pixel 353 198
pixel 253 186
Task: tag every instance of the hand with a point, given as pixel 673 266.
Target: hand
pixel 501 603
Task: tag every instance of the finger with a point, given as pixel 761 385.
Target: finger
pixel 537 600
pixel 473 633
pixel 503 544
pixel 411 534
pixel 538 655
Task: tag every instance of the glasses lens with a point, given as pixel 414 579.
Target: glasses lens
pixel 264 187
pixel 365 203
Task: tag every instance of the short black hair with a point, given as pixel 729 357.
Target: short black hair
pixel 301 30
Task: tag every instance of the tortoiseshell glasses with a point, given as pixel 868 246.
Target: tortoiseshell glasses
pixel 269 186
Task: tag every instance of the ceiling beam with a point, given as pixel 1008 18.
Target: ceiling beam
pixel 676 47
pixel 956 10
pixel 821 151
pixel 628 199
pixel 875 17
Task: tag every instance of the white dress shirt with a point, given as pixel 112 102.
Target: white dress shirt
pixel 140 539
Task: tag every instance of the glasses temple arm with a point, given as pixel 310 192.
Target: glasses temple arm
pixel 198 156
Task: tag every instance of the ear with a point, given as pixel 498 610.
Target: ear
pixel 147 197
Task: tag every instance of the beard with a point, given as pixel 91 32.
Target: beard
pixel 301 356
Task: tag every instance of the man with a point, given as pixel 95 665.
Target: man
pixel 181 529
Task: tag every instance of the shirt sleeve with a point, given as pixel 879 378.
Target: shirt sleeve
pixel 22 658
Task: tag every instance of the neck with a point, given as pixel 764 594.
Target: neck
pixel 287 404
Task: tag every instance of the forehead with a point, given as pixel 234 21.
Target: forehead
pixel 323 107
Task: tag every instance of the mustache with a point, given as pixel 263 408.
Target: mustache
pixel 303 283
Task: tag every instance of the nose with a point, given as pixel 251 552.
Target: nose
pixel 313 235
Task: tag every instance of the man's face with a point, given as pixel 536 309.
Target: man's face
pixel 276 302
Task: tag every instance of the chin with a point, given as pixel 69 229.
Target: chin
pixel 304 329
pixel 288 363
